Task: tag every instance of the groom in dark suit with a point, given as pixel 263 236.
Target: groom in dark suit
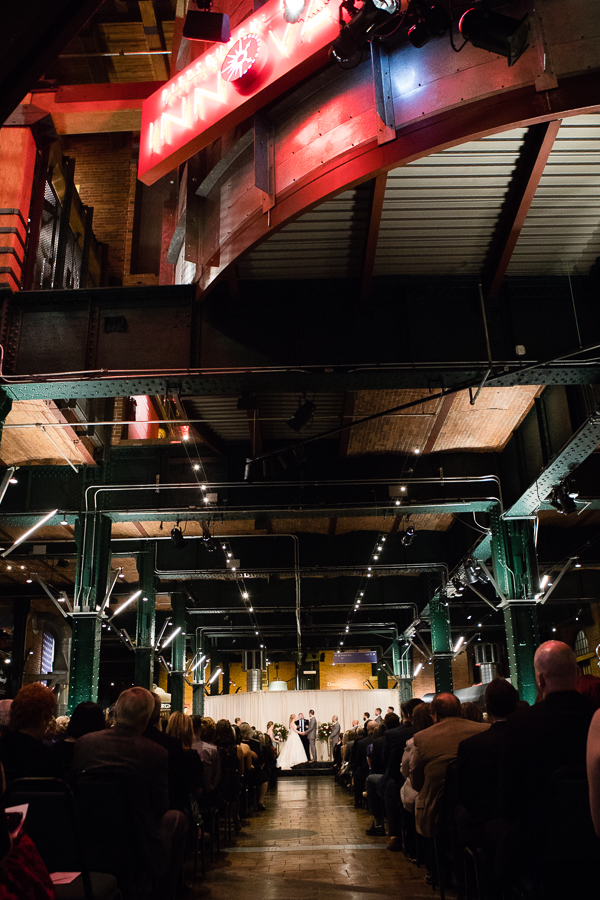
pixel 302 726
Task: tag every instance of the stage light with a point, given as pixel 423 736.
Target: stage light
pixel 177 536
pixel 216 674
pixel 363 25
pixel 495 32
pixel 562 500
pixel 431 22
pixel 203 25
pixel 170 638
pixel 408 536
pixel 124 605
pixel 458 586
pixel 302 416
pixel 35 527
pixel 292 10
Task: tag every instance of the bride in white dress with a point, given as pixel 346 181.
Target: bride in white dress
pixel 293 750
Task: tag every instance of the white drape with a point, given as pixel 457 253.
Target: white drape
pixel 259 707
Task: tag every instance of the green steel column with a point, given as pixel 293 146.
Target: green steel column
pixel 198 674
pixel 146 618
pixel 93 561
pixel 441 644
pixel 226 676
pixel 21 609
pixel 515 570
pixel 178 655
pixel 402 665
pixel 215 663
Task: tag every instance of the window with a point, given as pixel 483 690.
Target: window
pixel 47 654
pixel 581 644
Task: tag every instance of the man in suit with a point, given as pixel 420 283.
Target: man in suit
pixel 435 749
pixel 394 741
pixel 378 718
pixel 301 724
pixel 311 734
pixel 366 720
pixel 545 737
pixel 334 737
pixel 123 750
pixel 478 763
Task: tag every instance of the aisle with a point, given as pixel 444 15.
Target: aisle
pixel 309 844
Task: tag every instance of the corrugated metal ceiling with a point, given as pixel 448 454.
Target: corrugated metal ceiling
pixel 440 213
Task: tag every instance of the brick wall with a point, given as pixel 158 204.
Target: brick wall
pixel 105 174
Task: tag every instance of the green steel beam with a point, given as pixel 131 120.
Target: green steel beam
pixel 441 643
pixel 178 601
pixel 91 583
pixel 146 618
pixel 577 449
pixel 198 677
pixel 515 570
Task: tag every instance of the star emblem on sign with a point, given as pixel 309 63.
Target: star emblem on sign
pixel 245 60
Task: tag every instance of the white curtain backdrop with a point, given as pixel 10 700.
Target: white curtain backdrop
pixel 259 707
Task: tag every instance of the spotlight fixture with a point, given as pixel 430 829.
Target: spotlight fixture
pixel 408 536
pixel 202 25
pixel 303 415
pixel 495 32
pixel 432 21
pixel 207 539
pixel 472 571
pixel 365 23
pixel 458 586
pixel 561 498
pixel 177 536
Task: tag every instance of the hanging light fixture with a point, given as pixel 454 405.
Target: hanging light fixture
pixel 495 32
pixel 303 415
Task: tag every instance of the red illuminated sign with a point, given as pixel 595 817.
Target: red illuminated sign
pixel 264 57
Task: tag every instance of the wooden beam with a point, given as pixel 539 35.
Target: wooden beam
pixel 140 529
pixel 373 235
pixel 95 108
pixel 443 413
pixel 529 169
pixel 332 526
pixel 155 39
pixel 84 447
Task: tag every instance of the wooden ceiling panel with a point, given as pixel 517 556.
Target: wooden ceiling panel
pixel 488 425
pixel 403 432
pixel 22 446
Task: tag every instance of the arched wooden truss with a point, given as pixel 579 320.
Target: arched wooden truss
pixel 341 128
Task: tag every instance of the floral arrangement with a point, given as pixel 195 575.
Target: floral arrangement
pixel 324 733
pixel 280 732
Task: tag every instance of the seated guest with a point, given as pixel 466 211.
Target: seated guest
pixel 396 737
pixel 258 775
pixel 22 751
pixel 231 757
pixel 478 763
pixel 375 751
pixel 122 749
pixel 375 784
pixel 421 719
pixel 180 728
pixel 435 748
pixel 178 787
pixel 471 711
pixel 539 740
pixel 204 744
pixel 87 718
pixel 23 875
pixel 589 686
pixel 359 764
pixel 593 769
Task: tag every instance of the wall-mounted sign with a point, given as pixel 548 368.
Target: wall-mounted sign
pixel 230 82
pixel 354 656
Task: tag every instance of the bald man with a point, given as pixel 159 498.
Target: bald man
pixel 538 741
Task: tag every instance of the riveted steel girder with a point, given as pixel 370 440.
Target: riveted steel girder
pixel 146 618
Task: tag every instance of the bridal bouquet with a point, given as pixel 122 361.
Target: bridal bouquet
pixel 280 732
pixel 324 733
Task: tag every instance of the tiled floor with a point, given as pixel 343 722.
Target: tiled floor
pixel 308 845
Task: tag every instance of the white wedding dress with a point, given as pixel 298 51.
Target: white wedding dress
pixel 293 752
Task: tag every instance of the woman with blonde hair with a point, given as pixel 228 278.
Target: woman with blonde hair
pixel 293 752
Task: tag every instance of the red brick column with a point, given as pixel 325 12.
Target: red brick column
pixel 17 164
